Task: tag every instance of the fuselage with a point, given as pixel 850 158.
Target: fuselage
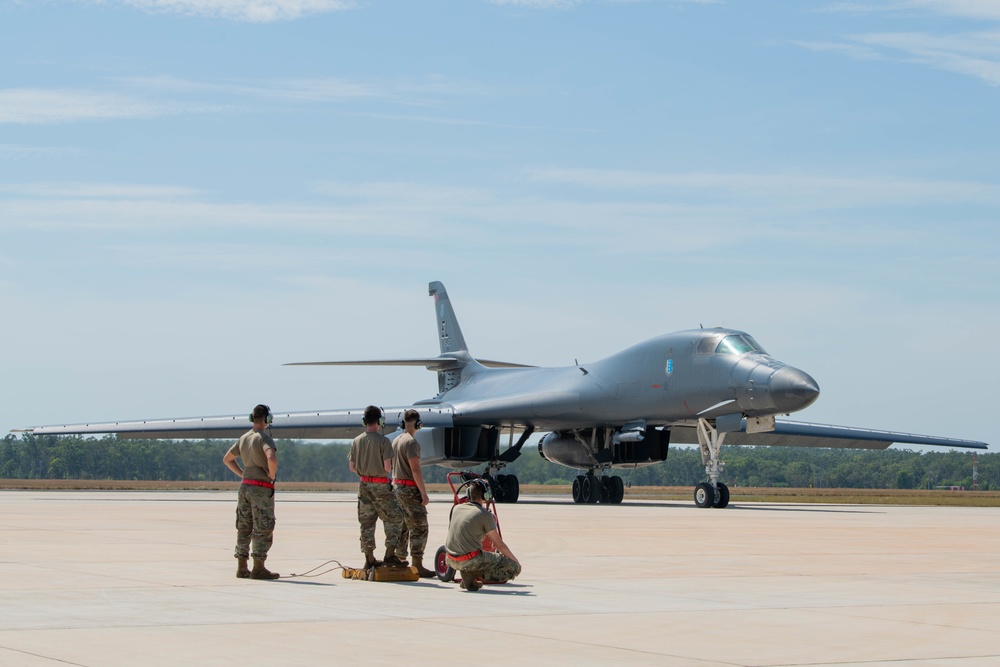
pixel 676 377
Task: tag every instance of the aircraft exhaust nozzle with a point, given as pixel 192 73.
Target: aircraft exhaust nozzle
pixel 792 390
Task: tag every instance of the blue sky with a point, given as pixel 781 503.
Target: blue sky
pixel 194 192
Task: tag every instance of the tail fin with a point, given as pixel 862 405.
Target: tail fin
pixel 449 333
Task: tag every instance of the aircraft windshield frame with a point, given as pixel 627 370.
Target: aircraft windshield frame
pixel 737 344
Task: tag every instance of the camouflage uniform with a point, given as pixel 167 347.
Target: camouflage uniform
pixel 376 501
pixel 493 566
pixel 469 525
pixel 254 504
pixel 254 520
pixel 415 528
pixel 369 451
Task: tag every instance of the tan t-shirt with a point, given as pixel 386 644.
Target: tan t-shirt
pixel 252 447
pixel 469 524
pixel 369 452
pixel 404 448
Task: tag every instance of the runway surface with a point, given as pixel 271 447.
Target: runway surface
pixel 148 578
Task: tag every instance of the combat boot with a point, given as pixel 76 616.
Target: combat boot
pixel 370 561
pixel 470 580
pixel 418 565
pixel 392 560
pixel 242 572
pixel 261 572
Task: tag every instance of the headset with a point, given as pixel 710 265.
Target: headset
pixel 268 417
pixel 381 417
pixel 419 425
pixel 483 484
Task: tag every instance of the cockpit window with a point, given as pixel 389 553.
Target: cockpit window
pixel 708 344
pixel 738 344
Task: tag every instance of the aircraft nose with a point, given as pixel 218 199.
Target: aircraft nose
pixel 792 389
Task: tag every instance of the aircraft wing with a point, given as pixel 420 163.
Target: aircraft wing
pixel 802 434
pixel 431 363
pixel 320 424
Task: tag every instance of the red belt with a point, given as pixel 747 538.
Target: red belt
pixel 467 556
pixel 376 480
pixel 257 482
pixel 405 482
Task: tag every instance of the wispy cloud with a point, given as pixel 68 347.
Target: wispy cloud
pixel 975 9
pixel 254 11
pixel 974 53
pixel 156 96
pixel 820 191
pixel 97 191
pixel 39 106
pixel 20 151
pixel 666 210
pixel 538 4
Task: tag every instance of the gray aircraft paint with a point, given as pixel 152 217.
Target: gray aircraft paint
pixel 595 412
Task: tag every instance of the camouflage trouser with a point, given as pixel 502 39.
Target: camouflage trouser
pixel 494 566
pixel 376 501
pixel 254 520
pixel 415 527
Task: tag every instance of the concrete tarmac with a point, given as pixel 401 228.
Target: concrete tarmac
pixel 148 578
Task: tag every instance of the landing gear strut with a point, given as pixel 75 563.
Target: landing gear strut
pixel 506 488
pixel 712 493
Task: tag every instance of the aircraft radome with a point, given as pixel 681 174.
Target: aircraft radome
pixel 704 386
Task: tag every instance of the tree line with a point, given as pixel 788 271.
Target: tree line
pixel 75 457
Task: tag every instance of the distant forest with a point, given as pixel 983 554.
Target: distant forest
pixel 73 457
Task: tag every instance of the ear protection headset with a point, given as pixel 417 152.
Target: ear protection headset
pixel 419 424
pixel 483 485
pixel 261 408
pixel 381 418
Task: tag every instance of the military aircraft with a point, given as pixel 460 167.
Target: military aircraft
pixel 703 386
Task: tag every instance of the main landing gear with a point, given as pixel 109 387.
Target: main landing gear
pixel 591 489
pixel 505 488
pixel 712 493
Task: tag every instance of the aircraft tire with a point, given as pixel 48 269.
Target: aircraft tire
pixel 591 489
pixel 512 488
pixel 616 490
pixel 578 489
pixel 499 486
pixel 723 496
pixel 444 571
pixel 704 495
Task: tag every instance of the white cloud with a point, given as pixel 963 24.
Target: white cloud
pixel 540 4
pixel 254 11
pixel 818 191
pixel 974 53
pixel 976 9
pixel 96 190
pixel 154 96
pixel 39 106
pixel 971 54
pixel 20 151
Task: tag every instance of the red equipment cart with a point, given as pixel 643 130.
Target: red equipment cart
pixel 459 480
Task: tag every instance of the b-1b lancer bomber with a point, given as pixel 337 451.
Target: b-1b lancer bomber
pixel 704 386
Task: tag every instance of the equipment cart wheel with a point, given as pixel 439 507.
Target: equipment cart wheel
pixel 444 571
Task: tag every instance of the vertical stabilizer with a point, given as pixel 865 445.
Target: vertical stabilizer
pixel 449 333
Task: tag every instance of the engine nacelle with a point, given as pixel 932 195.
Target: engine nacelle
pixel 458 447
pixel 597 449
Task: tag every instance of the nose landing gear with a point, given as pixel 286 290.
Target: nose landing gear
pixel 712 493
